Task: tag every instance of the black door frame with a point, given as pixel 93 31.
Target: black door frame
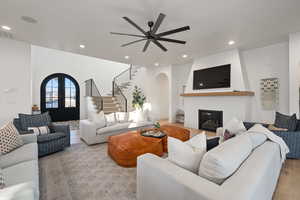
pixel 61 113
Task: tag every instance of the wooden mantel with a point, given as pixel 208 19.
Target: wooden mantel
pixel 207 94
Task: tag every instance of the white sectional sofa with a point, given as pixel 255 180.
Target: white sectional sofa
pixel 21 173
pixel 99 127
pixel 255 178
pixel 92 134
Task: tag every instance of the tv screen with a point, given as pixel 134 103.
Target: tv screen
pixel 214 77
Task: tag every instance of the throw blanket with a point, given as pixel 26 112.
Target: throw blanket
pixel 284 149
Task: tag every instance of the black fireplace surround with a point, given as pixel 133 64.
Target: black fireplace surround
pixel 210 120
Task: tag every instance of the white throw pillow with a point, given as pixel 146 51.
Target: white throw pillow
pixel 138 116
pixel 99 119
pixel 110 119
pixel 184 155
pixel 235 126
pixel 41 130
pixel 222 161
pixel 122 117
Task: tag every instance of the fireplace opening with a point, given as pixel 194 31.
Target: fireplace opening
pixel 210 120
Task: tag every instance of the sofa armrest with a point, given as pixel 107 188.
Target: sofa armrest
pixel 63 129
pixel 172 182
pixel 88 131
pixel 22 191
pixel 29 138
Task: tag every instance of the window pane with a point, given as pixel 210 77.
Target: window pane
pixel 73 102
pixel 48 102
pixel 67 102
pixel 55 92
pixel 67 92
pixel 52 93
pixel 54 102
pixel 73 92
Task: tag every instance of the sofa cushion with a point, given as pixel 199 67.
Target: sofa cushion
pixel 222 161
pixel 256 139
pixel 112 128
pixel 187 154
pixel 50 137
pixel 99 119
pixel 26 152
pixel 110 119
pixel 9 138
pixel 122 117
pixel 122 126
pixel 23 172
pixel 286 121
pixel 27 121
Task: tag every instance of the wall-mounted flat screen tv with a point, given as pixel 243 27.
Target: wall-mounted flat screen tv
pixel 214 77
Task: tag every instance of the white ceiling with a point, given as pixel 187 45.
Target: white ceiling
pixel 65 24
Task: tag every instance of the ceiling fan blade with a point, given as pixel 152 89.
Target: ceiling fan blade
pixel 158 22
pixel 146 45
pixel 159 45
pixel 134 24
pixel 171 40
pixel 133 35
pixel 124 45
pixel 185 28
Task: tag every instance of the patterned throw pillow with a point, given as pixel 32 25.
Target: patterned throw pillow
pixel 34 120
pixel 9 138
pixel 42 130
pixel 2 183
pixel 286 121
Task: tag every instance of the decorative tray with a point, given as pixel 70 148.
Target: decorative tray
pixel 154 134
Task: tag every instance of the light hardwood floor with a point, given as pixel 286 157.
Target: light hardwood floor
pixel 288 187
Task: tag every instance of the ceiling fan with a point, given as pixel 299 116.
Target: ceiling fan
pixel 151 35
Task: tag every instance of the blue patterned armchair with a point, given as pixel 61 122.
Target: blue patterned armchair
pixel 291 138
pixel 57 140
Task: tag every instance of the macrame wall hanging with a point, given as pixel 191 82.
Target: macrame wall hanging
pixel 269 89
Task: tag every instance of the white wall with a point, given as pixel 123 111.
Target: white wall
pixel 15 81
pixel 294 72
pixel 229 57
pixel 147 80
pixel 48 61
pixel 248 67
pixel 180 74
pixel 267 62
pixel 163 94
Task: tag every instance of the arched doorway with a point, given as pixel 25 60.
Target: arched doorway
pixel 60 96
pixel 163 103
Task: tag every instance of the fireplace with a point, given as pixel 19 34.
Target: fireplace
pixel 210 120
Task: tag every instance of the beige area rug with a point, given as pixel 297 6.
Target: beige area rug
pixel 84 172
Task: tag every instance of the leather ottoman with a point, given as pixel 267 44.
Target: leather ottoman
pixel 125 148
pixel 175 132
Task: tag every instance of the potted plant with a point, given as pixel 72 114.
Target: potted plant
pixel 138 99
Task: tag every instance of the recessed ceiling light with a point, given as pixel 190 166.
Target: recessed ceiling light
pixel 6 28
pixel 82 46
pixel 184 56
pixel 126 57
pixel 29 19
pixel 156 64
pixel 231 42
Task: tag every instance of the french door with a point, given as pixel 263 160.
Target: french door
pixel 60 97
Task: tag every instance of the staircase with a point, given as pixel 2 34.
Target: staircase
pixel 116 101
